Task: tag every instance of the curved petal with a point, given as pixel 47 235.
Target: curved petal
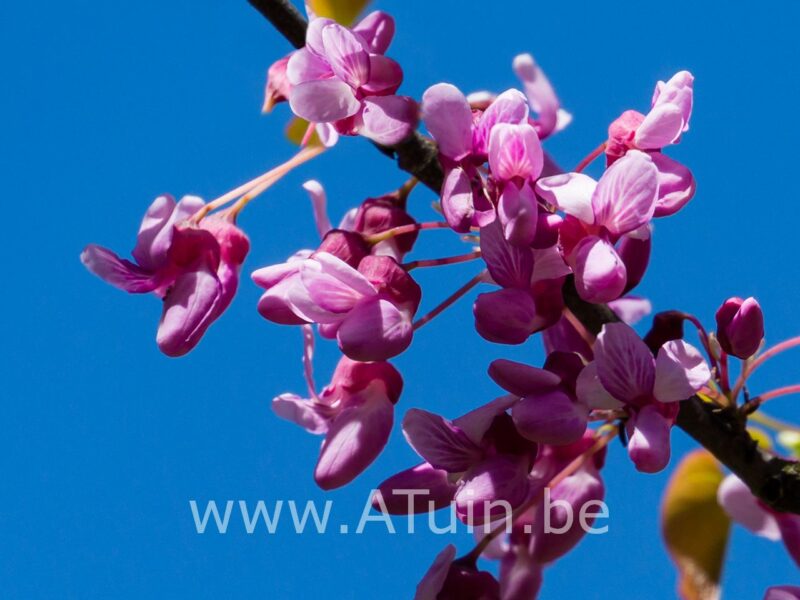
pixel 499 478
pixel 624 363
pixel 377 31
pixel 518 212
pixel 155 233
pixel 346 55
pixel 676 185
pixel 631 309
pixel 448 117
pixel 436 491
pixel 680 372
pixel 457 200
pixel 509 107
pixel 355 438
pixel 441 443
pixel 506 316
pixel 551 117
pixel 375 330
pixel 300 411
pixel 319 200
pixel 190 306
pixel 510 266
pixel 521 379
pixel 388 120
pixel 661 127
pixel 304 66
pixel 600 274
pixel 515 151
pixel 550 417
pixel 332 284
pixel 570 192
pixel 648 440
pixel 385 76
pixel 120 273
pixel 592 393
pixel 323 101
pixel 433 581
pixel 626 194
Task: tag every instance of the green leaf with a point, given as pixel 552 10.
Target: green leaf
pixel 343 11
pixel 694 526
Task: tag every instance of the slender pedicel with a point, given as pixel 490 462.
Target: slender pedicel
pixel 438 262
pixel 749 367
pixel 450 300
pixel 403 229
pixel 589 159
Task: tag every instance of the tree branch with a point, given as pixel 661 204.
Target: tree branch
pixel 721 431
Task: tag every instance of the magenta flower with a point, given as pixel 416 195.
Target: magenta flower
pixel 465 143
pixel 355 412
pixel 368 311
pixel 782 592
pixel 480 451
pixel 740 326
pixel 450 579
pixel 600 214
pixel 667 120
pixel 342 77
pixel 194 269
pixel 624 372
pixel 548 411
pixel 744 508
pixel 531 280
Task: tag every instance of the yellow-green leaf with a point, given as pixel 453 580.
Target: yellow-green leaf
pixel 296 130
pixel 695 527
pixel 343 11
pixel 791 441
pixel 760 436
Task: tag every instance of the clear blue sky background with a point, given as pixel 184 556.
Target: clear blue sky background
pixel 104 440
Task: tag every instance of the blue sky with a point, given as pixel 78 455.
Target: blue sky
pixel 105 441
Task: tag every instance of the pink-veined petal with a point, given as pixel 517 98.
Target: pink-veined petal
pixel 509 265
pixel 457 200
pixel 300 411
pixel 570 192
pixel 550 417
pixel 355 438
pixel 324 101
pixel 680 372
pixel 626 194
pixel 385 76
pixel 518 212
pixel 434 487
pixel 592 393
pixel 304 66
pixel 448 117
pixel 375 330
pixel 661 127
pixel 442 444
pixel 509 107
pixel 600 274
pixel 648 440
pixel 119 272
pixel 515 151
pixel 346 55
pixel 676 185
pixel 624 363
pixel 388 120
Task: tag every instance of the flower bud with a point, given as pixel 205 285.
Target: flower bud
pixel 740 326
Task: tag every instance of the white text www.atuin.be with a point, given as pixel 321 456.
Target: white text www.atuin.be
pixel 310 519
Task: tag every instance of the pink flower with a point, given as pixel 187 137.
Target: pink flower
pixel 548 411
pixel 531 297
pixel 355 412
pixel 194 269
pixel 740 326
pixel 667 120
pixel 551 118
pixel 342 77
pixel 743 507
pixel 500 134
pixel 456 579
pixel 624 372
pixel 599 215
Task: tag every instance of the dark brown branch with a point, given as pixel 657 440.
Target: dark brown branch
pixel 284 17
pixel 722 432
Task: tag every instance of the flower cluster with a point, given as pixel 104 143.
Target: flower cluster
pixel 548 241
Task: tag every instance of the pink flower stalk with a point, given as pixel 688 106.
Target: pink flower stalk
pixel 194 269
pixel 531 280
pixel 624 373
pixel 480 451
pixel 601 214
pixel 342 77
pixel 548 411
pixel 667 120
pixel 744 508
pixel 740 327
pixel 500 134
pixel 354 412
pixel 450 579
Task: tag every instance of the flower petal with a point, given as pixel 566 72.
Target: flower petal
pixel 742 506
pixel 661 127
pixel 316 194
pixel 305 66
pixel 600 274
pixel 515 151
pixel 501 478
pixel 323 101
pixel 377 30
pixel 518 212
pixel 442 444
pixel 626 194
pixel 375 330
pixel 118 272
pixel 506 316
pixel 648 440
pixel 680 372
pixel 592 393
pixel 448 117
pixel 388 120
pixel 300 411
pixel 355 438
pixel 570 192
pixel 433 581
pixel 509 266
pixel 509 107
pixel 436 491
pixel 385 76
pixel 624 363
pixel 550 417
pixel 676 185
pixel 521 379
pixel 346 54
pixel 457 200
